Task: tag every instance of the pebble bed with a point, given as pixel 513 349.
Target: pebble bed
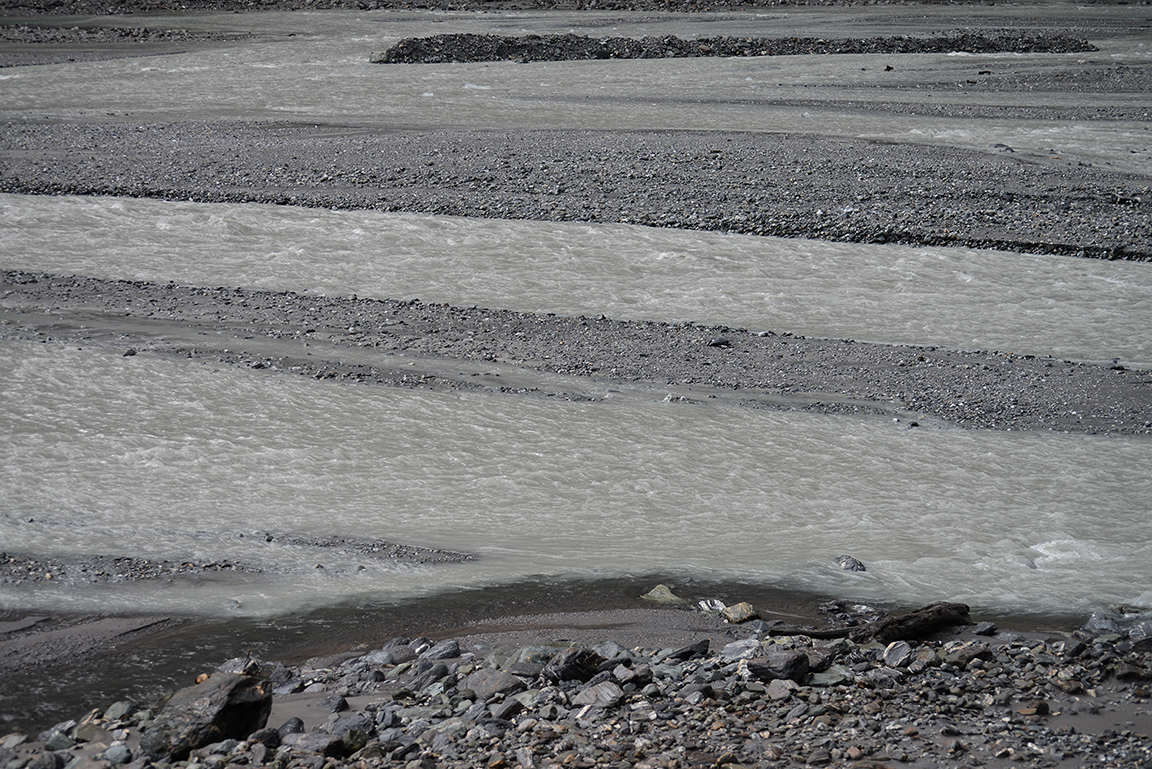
pixel 459 48
pixel 759 184
pixel 746 699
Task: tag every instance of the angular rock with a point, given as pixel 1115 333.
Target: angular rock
pixel 740 612
pixel 898 654
pixel 573 664
pixel 487 682
pixel 848 563
pixel 226 705
pixel 740 650
pixel 442 651
pixel 781 688
pixel 662 594
pixel 603 695
pixel 986 628
pixel 789 664
pixel 329 745
pixel 1100 624
pixel 333 703
pixel 355 721
pixel 692 651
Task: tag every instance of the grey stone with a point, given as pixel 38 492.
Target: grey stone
pixel 897 654
pixel 118 710
pixel 1141 631
pixel 118 754
pixel 1100 624
pixel 785 663
pixel 58 741
pixel 573 664
pixel 46 759
pixel 662 594
pixel 848 563
pixel 291 726
pixel 487 682
pixel 382 657
pixel 692 651
pixel 333 703
pixel 442 651
pixel 329 745
pixel 602 695
pixel 740 650
pixel 354 721
pixel 226 705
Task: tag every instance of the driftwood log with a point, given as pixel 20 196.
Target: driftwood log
pixel 914 624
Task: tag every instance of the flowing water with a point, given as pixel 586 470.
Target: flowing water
pixel 105 454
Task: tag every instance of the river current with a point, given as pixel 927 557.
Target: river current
pixel 105 454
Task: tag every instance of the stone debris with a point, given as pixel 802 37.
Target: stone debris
pixel 759 701
pixel 468 47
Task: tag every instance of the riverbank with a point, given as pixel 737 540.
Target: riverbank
pixel 668 687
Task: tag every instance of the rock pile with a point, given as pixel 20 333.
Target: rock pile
pixel 752 701
pixel 466 47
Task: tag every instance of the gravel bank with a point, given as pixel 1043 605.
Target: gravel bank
pixel 737 695
pixel 355 340
pixel 762 184
pixel 459 48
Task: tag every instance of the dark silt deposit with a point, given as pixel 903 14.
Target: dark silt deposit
pixel 470 48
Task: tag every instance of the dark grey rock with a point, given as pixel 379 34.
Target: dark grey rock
pixel 291 726
pixel 487 682
pixel 442 651
pixel 692 651
pixel 789 664
pixel 602 695
pixel 268 737
pixel 898 654
pixel 848 563
pixel 329 745
pixel 1100 624
pixel 358 721
pixel 47 759
pixel 573 664
pixel 226 705
pixel 333 703
pixel 118 754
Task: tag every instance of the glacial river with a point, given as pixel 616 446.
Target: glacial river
pixel 101 453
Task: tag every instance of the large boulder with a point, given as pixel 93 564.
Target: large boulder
pixel 787 664
pixel 225 706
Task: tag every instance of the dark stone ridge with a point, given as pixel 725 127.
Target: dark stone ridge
pixel 468 47
pixel 226 705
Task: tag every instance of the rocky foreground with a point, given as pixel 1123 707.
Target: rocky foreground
pixel 882 691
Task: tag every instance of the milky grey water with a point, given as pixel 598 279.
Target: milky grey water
pixel 1071 308
pixel 105 454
